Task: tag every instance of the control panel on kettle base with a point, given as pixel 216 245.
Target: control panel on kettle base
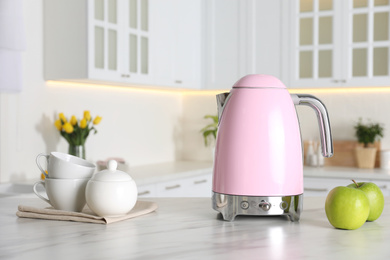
pixel 264 205
pixel 250 205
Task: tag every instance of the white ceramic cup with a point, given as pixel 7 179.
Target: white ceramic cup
pixel 65 166
pixel 64 194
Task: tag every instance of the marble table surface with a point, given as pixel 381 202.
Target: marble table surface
pixel 188 228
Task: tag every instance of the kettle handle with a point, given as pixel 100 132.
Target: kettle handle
pixel 221 100
pixel 323 120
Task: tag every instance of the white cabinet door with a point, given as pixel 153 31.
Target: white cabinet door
pixel 176 43
pixel 264 38
pixel 175 188
pixel 321 186
pixel 104 38
pixel 146 191
pixel 367 42
pixel 315 45
pixel 222 44
pixel 241 38
pixel 135 40
pixel 97 40
pixel 119 40
pixel 188 44
pixel 199 186
pixel 162 44
pixel 339 43
pixel 314 187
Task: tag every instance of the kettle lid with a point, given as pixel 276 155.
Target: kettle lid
pixel 259 81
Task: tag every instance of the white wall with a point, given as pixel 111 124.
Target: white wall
pixel 344 111
pixel 140 126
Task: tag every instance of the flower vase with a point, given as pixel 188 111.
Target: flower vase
pixel 77 150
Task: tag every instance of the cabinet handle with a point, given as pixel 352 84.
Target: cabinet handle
pixel 383 187
pixel 125 76
pixel 315 189
pixel 178 81
pixel 341 81
pixel 143 193
pixel 200 181
pixel 172 187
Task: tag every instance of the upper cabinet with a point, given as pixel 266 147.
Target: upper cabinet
pixel 241 37
pixel 210 44
pixel 104 40
pixel 134 42
pixel 176 43
pixel 118 33
pixel 339 43
pixel 222 43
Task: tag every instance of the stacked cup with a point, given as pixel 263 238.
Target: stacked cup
pixel 66 179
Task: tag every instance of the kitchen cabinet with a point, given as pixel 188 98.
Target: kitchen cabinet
pixel 102 40
pixel 146 42
pixel 338 43
pixel 222 44
pixel 176 43
pixel 314 186
pixel 147 190
pixel 118 34
pixel 197 186
pixel 241 37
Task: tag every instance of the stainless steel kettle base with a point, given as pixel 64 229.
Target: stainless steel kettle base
pixel 232 205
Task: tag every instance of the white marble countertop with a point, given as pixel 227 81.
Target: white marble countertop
pixel 155 173
pixel 168 171
pixel 188 228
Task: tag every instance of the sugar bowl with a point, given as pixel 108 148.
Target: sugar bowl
pixel 111 193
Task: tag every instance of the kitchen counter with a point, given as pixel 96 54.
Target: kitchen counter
pixel 346 172
pixel 155 173
pixel 188 228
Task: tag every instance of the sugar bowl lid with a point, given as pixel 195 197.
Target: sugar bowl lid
pixel 111 174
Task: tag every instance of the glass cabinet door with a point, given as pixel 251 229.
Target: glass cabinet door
pixel 315 42
pixel 340 43
pixel 368 41
pixel 105 32
pixel 136 37
pixel 119 40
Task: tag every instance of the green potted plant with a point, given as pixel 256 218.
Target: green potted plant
pixel 367 134
pixel 210 131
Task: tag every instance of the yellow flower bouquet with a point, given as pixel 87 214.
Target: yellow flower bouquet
pixel 76 131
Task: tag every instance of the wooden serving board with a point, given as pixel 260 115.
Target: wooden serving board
pixel 344 153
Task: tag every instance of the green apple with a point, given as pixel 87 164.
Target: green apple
pixel 347 208
pixel 375 198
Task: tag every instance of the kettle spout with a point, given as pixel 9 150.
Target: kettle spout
pixel 221 100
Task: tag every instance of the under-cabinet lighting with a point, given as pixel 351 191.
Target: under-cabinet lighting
pixel 135 88
pixel 305 90
pixel 154 89
pixel 341 90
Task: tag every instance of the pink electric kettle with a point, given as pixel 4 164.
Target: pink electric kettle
pixel 258 166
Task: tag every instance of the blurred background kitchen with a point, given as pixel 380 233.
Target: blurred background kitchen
pixel 152 69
